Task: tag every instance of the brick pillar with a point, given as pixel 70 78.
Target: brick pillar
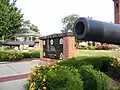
pixel 41 48
pixel 69 48
pixel 117 11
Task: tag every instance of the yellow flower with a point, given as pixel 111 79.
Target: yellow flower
pixel 34 73
pixel 32 67
pixel 53 66
pixel 44 88
pixel 31 89
pixel 31 85
pixel 44 79
pixel 44 76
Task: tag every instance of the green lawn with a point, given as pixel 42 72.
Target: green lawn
pixel 113 53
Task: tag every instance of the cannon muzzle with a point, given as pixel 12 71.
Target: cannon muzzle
pixel 98 31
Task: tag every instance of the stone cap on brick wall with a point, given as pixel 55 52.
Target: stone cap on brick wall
pixel 56 35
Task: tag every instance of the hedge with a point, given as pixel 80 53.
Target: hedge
pixel 31 54
pixel 16 56
pixel 10 56
pixel 55 77
pixel 93 80
pixel 99 63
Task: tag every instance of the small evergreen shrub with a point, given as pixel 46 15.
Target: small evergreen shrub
pixel 31 54
pixel 35 53
pixel 26 54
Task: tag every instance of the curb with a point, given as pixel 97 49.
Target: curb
pixel 15 77
pixel 20 61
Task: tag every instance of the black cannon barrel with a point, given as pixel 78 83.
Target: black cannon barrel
pixel 93 30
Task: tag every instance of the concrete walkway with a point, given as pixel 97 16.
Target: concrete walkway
pixel 17 68
pixel 13 85
pixel 13 75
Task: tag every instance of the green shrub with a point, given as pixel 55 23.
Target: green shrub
pixel 26 54
pixel 10 56
pixel 55 77
pixel 114 69
pixel 91 47
pixel 82 47
pixel 93 80
pixel 75 62
pixel 35 54
pixel 31 54
pixel 99 63
pixel 89 82
pixel 86 47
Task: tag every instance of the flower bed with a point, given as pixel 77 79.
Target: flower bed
pixel 73 74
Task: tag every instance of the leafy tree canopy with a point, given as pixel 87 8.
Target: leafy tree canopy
pixel 34 28
pixel 27 24
pixel 10 19
pixel 68 22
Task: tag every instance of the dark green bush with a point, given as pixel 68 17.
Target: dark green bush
pixel 99 63
pixel 26 54
pixel 93 80
pixel 114 69
pixel 64 78
pixel 10 56
pixel 35 54
pixel 89 82
pixel 31 54
pixel 55 77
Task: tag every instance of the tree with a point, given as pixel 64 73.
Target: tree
pixel 26 23
pixel 34 28
pixel 10 19
pixel 68 22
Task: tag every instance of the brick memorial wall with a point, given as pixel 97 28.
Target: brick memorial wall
pixel 57 46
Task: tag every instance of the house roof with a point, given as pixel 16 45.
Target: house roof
pixel 57 35
pixel 18 43
pixel 27 32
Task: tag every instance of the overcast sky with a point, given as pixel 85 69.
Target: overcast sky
pixel 47 14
